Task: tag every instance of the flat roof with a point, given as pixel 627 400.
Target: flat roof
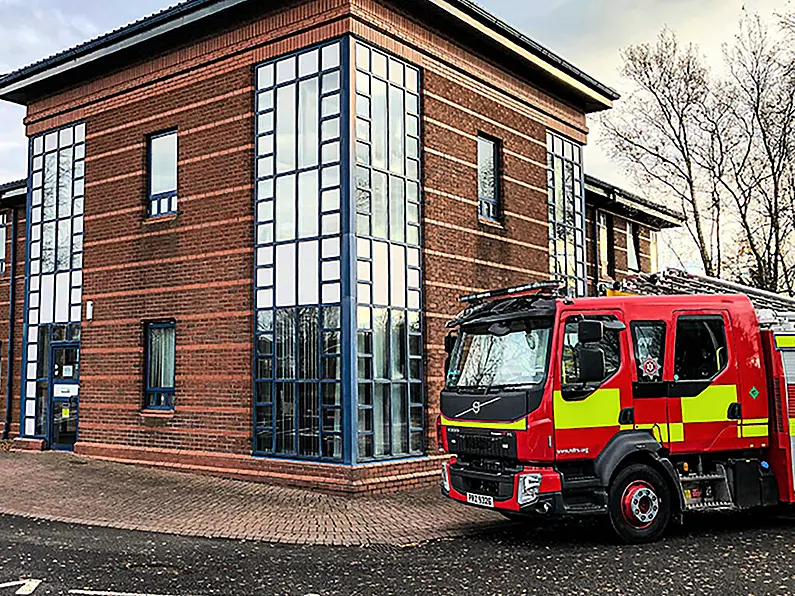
pixel 615 198
pixel 13 193
pixel 17 86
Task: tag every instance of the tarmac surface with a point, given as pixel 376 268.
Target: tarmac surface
pixel 148 532
pixel 715 555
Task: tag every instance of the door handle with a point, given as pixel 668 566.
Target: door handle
pixel 735 411
pixel 627 416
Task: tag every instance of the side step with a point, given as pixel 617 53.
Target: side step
pixel 713 491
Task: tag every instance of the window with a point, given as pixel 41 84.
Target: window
pixel 633 246
pixel 566 219
pixel 488 178
pixel 298 206
pixel 163 174
pixel 391 414
pixel 160 361
pixel 54 292
pixel 648 338
pixel 654 251
pixel 701 350
pixel 610 344
pixel 605 246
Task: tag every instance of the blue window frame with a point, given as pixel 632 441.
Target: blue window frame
pixel 489 177
pixel 565 183
pixel 163 173
pixel 299 246
pixel 160 364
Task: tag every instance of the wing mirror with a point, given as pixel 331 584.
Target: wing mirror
pixel 449 342
pixel 592 364
pixel 590 332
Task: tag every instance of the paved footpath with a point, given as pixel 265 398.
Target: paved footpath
pixel 73 489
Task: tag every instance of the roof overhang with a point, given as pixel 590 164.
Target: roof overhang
pixel 603 195
pixel 13 193
pixel 13 86
pixel 111 50
pixel 596 95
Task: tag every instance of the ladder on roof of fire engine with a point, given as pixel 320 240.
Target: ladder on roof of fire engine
pixel 773 310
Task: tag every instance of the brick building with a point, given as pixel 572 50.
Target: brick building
pixel 247 225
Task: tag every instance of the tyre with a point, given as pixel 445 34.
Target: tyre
pixel 639 504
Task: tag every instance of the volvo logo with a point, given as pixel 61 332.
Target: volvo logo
pixel 476 407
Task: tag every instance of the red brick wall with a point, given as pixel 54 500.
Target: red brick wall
pixel 18 277
pixel 620 249
pixel 197 266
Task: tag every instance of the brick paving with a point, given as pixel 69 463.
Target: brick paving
pixel 73 489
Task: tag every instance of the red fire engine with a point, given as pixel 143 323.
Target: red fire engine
pixel 643 408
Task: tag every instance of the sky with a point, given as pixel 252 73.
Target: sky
pixel 589 33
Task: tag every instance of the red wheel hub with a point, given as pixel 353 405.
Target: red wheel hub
pixel 640 504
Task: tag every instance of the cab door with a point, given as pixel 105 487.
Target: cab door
pixel 586 415
pixel 649 390
pixel 703 382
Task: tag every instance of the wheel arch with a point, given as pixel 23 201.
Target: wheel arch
pixel 638 447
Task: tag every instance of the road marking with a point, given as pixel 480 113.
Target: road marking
pixel 28 586
pixel 93 593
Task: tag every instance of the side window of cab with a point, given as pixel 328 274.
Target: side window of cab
pixel 573 358
pixel 701 350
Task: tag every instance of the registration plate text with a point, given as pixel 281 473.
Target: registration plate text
pixel 482 500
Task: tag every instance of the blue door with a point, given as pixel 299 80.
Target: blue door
pixel 64 395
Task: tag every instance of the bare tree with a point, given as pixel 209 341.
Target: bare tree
pixel 656 133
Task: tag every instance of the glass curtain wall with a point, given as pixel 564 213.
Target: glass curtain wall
pixel 298 255
pixel 390 389
pixel 55 255
pixel 323 122
pixel 566 213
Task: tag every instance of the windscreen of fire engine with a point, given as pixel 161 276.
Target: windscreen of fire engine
pixel 501 355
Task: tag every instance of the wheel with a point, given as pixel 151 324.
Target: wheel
pixel 639 504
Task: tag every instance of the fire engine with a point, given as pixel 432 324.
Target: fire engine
pixel 639 407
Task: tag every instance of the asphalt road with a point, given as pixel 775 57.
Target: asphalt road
pixel 714 555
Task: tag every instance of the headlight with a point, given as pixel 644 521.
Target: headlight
pixel 445 479
pixel 529 485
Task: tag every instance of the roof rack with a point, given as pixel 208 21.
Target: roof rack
pixel 549 288
pixel 675 281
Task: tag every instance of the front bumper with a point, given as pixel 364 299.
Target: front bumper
pixel 524 489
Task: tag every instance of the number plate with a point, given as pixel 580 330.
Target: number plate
pixel 482 500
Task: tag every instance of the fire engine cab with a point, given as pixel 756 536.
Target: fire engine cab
pixel 642 408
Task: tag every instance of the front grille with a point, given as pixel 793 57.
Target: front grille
pixel 501 445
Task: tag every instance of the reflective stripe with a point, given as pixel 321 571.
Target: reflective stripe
pixel 677 431
pixel 516 425
pixel 785 341
pixel 792 434
pixel 747 431
pixel 674 432
pixel 598 410
pixel 711 405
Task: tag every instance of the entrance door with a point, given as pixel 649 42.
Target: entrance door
pixel 64 396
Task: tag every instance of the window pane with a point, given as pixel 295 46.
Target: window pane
pixel 285 128
pixel 649 344
pixel 379 127
pixel 163 164
pixel 487 185
pixel 308 124
pixel 397 137
pixel 162 344
pixel 701 351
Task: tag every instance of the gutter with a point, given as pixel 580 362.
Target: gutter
pixel 12 296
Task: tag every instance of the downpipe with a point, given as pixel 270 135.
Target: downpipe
pixel 12 284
